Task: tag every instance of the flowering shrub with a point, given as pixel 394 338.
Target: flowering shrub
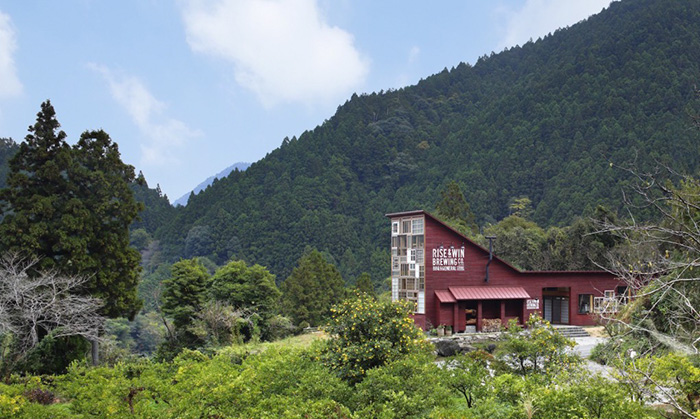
pixel 366 334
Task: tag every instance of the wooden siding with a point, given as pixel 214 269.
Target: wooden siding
pixel 500 274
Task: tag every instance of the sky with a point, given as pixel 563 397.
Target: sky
pixel 189 87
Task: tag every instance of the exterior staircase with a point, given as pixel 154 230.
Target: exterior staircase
pixel 572 331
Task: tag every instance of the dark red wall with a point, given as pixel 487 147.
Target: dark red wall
pixel 500 274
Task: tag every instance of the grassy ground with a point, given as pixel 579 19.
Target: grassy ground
pixel 301 341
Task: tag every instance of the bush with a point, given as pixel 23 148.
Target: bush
pixel 366 333
pixel 409 387
pixel 469 376
pixel 538 349
pixel 278 327
pixel 40 396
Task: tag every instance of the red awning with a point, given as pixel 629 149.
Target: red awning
pixel 488 293
pixel 445 296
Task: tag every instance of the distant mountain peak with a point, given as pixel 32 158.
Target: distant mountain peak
pixel 182 201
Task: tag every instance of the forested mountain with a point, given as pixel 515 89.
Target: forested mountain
pixel 544 120
pixel 208 181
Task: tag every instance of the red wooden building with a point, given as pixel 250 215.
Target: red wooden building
pixel 456 282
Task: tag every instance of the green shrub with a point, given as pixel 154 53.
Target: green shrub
pixel 409 387
pixel 366 333
pixel 539 348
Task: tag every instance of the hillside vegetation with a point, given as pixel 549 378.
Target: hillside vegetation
pixel 549 120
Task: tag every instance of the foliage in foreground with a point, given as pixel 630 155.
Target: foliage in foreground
pixel 366 333
pixel 292 381
pixel 278 381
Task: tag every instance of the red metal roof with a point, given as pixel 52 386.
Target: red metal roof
pixel 445 296
pixel 489 293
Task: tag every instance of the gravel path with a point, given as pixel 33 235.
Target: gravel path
pixel 583 348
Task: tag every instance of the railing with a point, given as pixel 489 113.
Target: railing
pixel 604 305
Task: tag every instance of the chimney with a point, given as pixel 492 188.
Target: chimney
pixel 491 239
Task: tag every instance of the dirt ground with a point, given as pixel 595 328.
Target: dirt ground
pixel 596 331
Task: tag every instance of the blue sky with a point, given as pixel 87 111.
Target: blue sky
pixel 189 87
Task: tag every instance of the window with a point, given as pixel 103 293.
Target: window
pixel 585 303
pixel 417 226
pixel 408 261
pixel 419 256
pixel 609 294
pixel 395 241
pixel 417 241
pixel 623 294
pixel 399 241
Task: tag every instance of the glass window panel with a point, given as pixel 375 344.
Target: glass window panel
pixel 417 226
pixel 417 241
pixel 585 303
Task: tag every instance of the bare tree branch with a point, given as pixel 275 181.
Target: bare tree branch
pixel 34 304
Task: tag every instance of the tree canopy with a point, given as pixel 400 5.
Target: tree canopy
pixel 245 287
pixel 71 207
pixel 312 288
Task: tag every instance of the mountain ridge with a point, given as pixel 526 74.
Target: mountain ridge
pixel 182 201
pixel 543 120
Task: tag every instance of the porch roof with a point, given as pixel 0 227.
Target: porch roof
pixel 445 296
pixel 489 293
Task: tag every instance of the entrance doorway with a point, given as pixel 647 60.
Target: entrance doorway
pixel 555 307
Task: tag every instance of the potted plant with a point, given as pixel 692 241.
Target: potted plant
pixel 448 330
pixel 441 330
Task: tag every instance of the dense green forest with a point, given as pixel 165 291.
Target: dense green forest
pixel 533 145
pixel 551 120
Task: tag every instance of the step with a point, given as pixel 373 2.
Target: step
pixel 572 331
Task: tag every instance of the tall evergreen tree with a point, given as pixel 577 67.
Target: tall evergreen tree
pixel 102 181
pixel 72 208
pixel 184 295
pixel 312 288
pixel 364 284
pixel 8 148
pixel 454 209
pixel 185 292
pixel 37 194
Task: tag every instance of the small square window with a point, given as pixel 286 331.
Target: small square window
pixel 585 303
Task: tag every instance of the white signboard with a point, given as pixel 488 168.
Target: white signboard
pixel 448 259
pixel 533 304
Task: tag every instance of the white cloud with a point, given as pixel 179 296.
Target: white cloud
pixel 537 18
pixel 413 54
pixel 163 135
pixel 282 50
pixel 9 82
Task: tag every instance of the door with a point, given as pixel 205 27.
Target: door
pixel 556 310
